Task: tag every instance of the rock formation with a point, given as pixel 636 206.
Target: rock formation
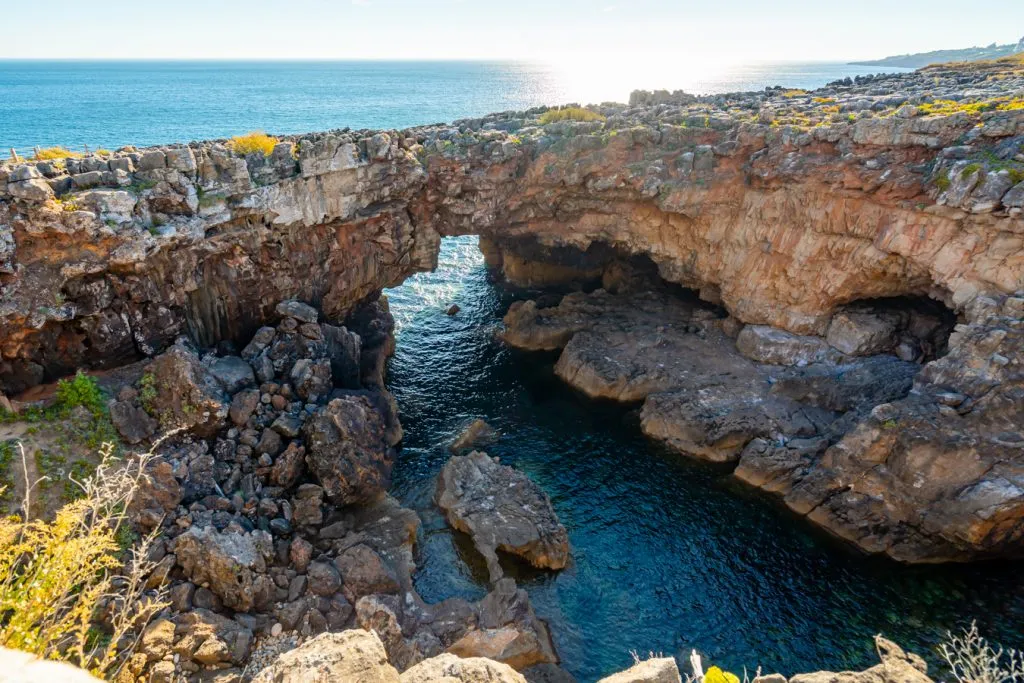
pixel 274 524
pixel 811 226
pixel 501 509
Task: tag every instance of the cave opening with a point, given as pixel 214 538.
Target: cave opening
pixel 913 327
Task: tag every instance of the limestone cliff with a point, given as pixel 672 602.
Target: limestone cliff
pixel 783 207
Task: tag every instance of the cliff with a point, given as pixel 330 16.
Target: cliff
pixel 782 207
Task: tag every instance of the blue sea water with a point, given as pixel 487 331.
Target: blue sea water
pixel 112 104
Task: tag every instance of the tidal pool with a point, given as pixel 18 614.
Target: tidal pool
pixel 668 553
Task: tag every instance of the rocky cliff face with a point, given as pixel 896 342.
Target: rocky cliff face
pixel 793 212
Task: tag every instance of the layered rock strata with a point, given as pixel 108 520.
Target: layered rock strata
pixel 790 210
pixel 780 205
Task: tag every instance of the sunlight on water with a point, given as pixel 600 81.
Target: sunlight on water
pixel 427 291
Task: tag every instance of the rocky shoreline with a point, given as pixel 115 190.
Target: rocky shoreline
pixel 824 289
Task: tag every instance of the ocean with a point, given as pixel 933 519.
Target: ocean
pixel 112 104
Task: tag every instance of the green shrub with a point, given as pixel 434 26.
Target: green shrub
pixel 82 390
pixel 569 114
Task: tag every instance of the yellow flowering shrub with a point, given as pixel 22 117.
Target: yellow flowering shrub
pixel 716 675
pixel 569 114
pixel 59 577
pixel 256 141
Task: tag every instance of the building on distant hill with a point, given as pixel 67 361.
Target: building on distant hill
pixel 970 54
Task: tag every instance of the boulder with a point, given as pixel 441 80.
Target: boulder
pixel 184 393
pixel 304 313
pixel 228 562
pixel 863 333
pixel 347 450
pixel 477 433
pixel 332 657
pixel 448 668
pixel 132 422
pixel 771 345
pixel 233 373
pixel 501 509
pixel 364 573
pixel 654 670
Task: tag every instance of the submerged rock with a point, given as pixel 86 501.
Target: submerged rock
pixel 501 509
pixel 478 433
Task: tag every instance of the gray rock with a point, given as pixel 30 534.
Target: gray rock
pixel 233 373
pixel 298 310
pixel 227 562
pixel 501 509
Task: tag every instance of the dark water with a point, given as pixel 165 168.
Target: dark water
pixel 668 553
pixel 115 103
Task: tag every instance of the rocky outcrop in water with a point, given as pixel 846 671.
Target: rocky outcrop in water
pixel 501 509
pixel 918 462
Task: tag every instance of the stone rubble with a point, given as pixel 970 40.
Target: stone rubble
pixel 274 520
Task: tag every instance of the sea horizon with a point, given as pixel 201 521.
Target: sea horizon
pixel 111 103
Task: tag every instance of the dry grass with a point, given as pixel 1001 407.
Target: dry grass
pixel 256 141
pixel 53 153
pixel 67 593
pixel 795 92
pixel 569 114
pixel 972 660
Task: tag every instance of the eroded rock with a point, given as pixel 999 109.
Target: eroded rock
pixel 501 509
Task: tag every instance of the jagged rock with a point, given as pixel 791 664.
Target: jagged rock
pixel 654 670
pixel 346 450
pixel 862 334
pixel 365 573
pixel 243 405
pixel 185 393
pixel 233 373
pixel 227 561
pixel 331 657
pixel 447 668
pixel 157 495
pixel 897 667
pixel 478 433
pixel 501 509
pixel 132 422
pixel 778 347
pixel 288 466
pixel 298 310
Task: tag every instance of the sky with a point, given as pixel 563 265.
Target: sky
pixel 637 31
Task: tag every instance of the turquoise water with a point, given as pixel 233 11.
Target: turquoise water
pixel 111 104
pixel 668 553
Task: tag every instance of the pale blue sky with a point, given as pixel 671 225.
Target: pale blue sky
pixel 642 32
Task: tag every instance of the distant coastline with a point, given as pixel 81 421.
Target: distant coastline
pixel 970 54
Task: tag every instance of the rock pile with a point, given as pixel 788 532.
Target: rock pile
pixel 270 498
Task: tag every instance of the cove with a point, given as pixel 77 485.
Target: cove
pixel 668 553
